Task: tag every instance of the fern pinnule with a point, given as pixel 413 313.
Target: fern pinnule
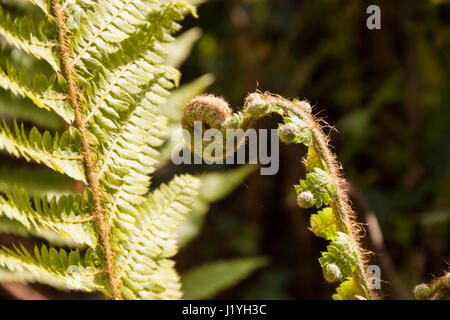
pixel 323 185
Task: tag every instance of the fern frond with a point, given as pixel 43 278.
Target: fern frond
pixel 58 269
pixel 214 186
pixel 127 161
pixel 346 291
pixel 206 281
pixel 438 289
pixel 25 34
pixel 146 240
pixel 323 184
pixel 180 49
pixel 323 224
pixel 57 153
pixel 104 25
pixel 69 215
pixel 14 227
pixel 44 5
pixel 41 90
pixel 35 180
pixel 174 106
pixel 16 107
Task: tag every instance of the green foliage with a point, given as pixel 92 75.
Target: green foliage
pixel 346 291
pixel 117 50
pixel 323 224
pixel 321 187
pixel 206 281
pixel 58 153
pixel 25 34
pixel 43 91
pixel 341 253
pixel 214 186
pixel 56 268
pixel 123 77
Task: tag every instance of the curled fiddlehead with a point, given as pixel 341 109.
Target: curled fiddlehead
pixel 344 261
pixel 439 289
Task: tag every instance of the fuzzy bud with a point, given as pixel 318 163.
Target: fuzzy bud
pixel 332 273
pixel 306 199
pixel 255 106
pixel 288 132
pixel 422 291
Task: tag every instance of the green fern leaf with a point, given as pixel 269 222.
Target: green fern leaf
pixel 147 240
pixel 340 252
pixel 179 50
pixel 323 224
pixel 35 180
pixel 43 4
pixel 214 186
pixel 206 281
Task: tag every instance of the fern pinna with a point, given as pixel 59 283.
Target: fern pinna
pixel 109 81
pixel 344 260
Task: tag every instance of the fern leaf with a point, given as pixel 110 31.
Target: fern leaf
pixel 340 252
pixel 48 266
pixel 58 153
pixel 25 34
pixel 69 215
pixel 14 227
pixel 208 280
pixel 41 91
pixel 127 161
pixel 179 50
pixel 323 224
pixel 173 107
pixel 147 240
pixel 35 180
pixel 43 4
pixel 15 107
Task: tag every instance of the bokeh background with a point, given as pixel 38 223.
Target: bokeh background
pixel 387 94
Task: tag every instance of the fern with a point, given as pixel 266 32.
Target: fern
pixel 439 289
pixel 344 259
pixel 206 281
pixel 108 80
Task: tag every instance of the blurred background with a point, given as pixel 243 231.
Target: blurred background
pixel 387 94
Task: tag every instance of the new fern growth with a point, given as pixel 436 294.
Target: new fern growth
pixel 344 260
pixel 109 81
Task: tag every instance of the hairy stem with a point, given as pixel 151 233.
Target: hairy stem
pixel 80 123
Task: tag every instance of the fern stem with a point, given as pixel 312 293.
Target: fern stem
pixel 81 124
